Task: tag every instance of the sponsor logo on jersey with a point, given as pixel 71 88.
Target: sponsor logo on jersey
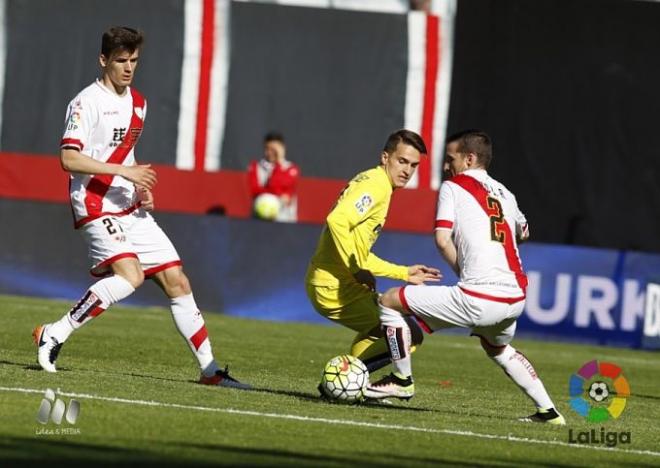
pixel 118 134
pixel 364 203
pixel 74 119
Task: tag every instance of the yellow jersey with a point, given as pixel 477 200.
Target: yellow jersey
pixel 352 228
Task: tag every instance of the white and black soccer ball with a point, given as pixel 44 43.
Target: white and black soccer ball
pixel 344 379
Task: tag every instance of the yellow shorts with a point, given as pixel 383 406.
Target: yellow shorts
pixel 352 305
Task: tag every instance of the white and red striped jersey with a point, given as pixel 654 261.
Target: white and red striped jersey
pixel 484 219
pixel 104 126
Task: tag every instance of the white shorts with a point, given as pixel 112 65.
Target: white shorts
pixel 136 235
pixel 437 307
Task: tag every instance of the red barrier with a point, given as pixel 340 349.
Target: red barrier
pixel 40 178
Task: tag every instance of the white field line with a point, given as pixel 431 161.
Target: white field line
pixel 341 422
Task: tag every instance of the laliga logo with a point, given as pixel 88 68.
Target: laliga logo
pixel 598 391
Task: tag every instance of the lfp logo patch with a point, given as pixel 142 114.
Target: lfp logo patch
pixel 598 391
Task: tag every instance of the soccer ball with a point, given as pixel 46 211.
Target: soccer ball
pixel 267 206
pixel 344 379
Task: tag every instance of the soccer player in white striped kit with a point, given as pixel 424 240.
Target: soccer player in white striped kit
pixel 478 224
pixel 111 199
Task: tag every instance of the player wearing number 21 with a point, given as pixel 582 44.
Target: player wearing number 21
pixel 111 200
pixel 478 224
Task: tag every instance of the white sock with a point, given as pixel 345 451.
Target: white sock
pixel 398 338
pixel 521 371
pixel 96 300
pixel 190 323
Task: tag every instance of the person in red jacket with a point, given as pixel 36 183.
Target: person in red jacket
pixel 274 174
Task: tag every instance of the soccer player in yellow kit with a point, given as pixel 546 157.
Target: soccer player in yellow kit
pixel 340 279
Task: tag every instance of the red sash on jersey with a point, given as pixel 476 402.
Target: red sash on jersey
pixel 480 194
pixel 100 184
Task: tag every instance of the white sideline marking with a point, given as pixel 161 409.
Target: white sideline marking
pixel 333 421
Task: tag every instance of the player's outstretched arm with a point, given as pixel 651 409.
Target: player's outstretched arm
pixel 379 267
pixel 419 274
pixel 74 161
pixel 447 248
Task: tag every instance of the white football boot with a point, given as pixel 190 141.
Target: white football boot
pixel 391 386
pixel 48 346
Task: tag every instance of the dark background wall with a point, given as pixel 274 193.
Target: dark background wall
pixel 52 53
pixel 570 93
pixel 567 88
pixel 332 80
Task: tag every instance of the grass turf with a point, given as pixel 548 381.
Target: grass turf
pixel 464 412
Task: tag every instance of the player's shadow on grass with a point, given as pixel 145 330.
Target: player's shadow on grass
pixel 37 367
pixel 141 376
pixel 23 365
pixel 315 398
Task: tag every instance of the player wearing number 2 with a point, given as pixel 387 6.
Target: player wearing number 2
pixel 477 225
pixel 111 199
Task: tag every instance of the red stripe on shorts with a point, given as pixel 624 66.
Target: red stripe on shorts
pixel 404 303
pixel 506 300
pixel 110 261
pixel 159 268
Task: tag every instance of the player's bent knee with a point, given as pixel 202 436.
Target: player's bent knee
pixel 391 299
pixel 130 270
pixel 491 350
pixel 135 276
pixel 175 282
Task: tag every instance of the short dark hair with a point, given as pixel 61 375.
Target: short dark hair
pixel 407 137
pixel 474 141
pixel 121 38
pixel 274 136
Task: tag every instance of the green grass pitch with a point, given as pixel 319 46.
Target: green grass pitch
pixel 134 378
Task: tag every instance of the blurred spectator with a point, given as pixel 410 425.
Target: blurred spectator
pixel 275 175
pixel 420 5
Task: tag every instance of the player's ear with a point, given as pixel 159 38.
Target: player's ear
pixel 384 156
pixel 103 61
